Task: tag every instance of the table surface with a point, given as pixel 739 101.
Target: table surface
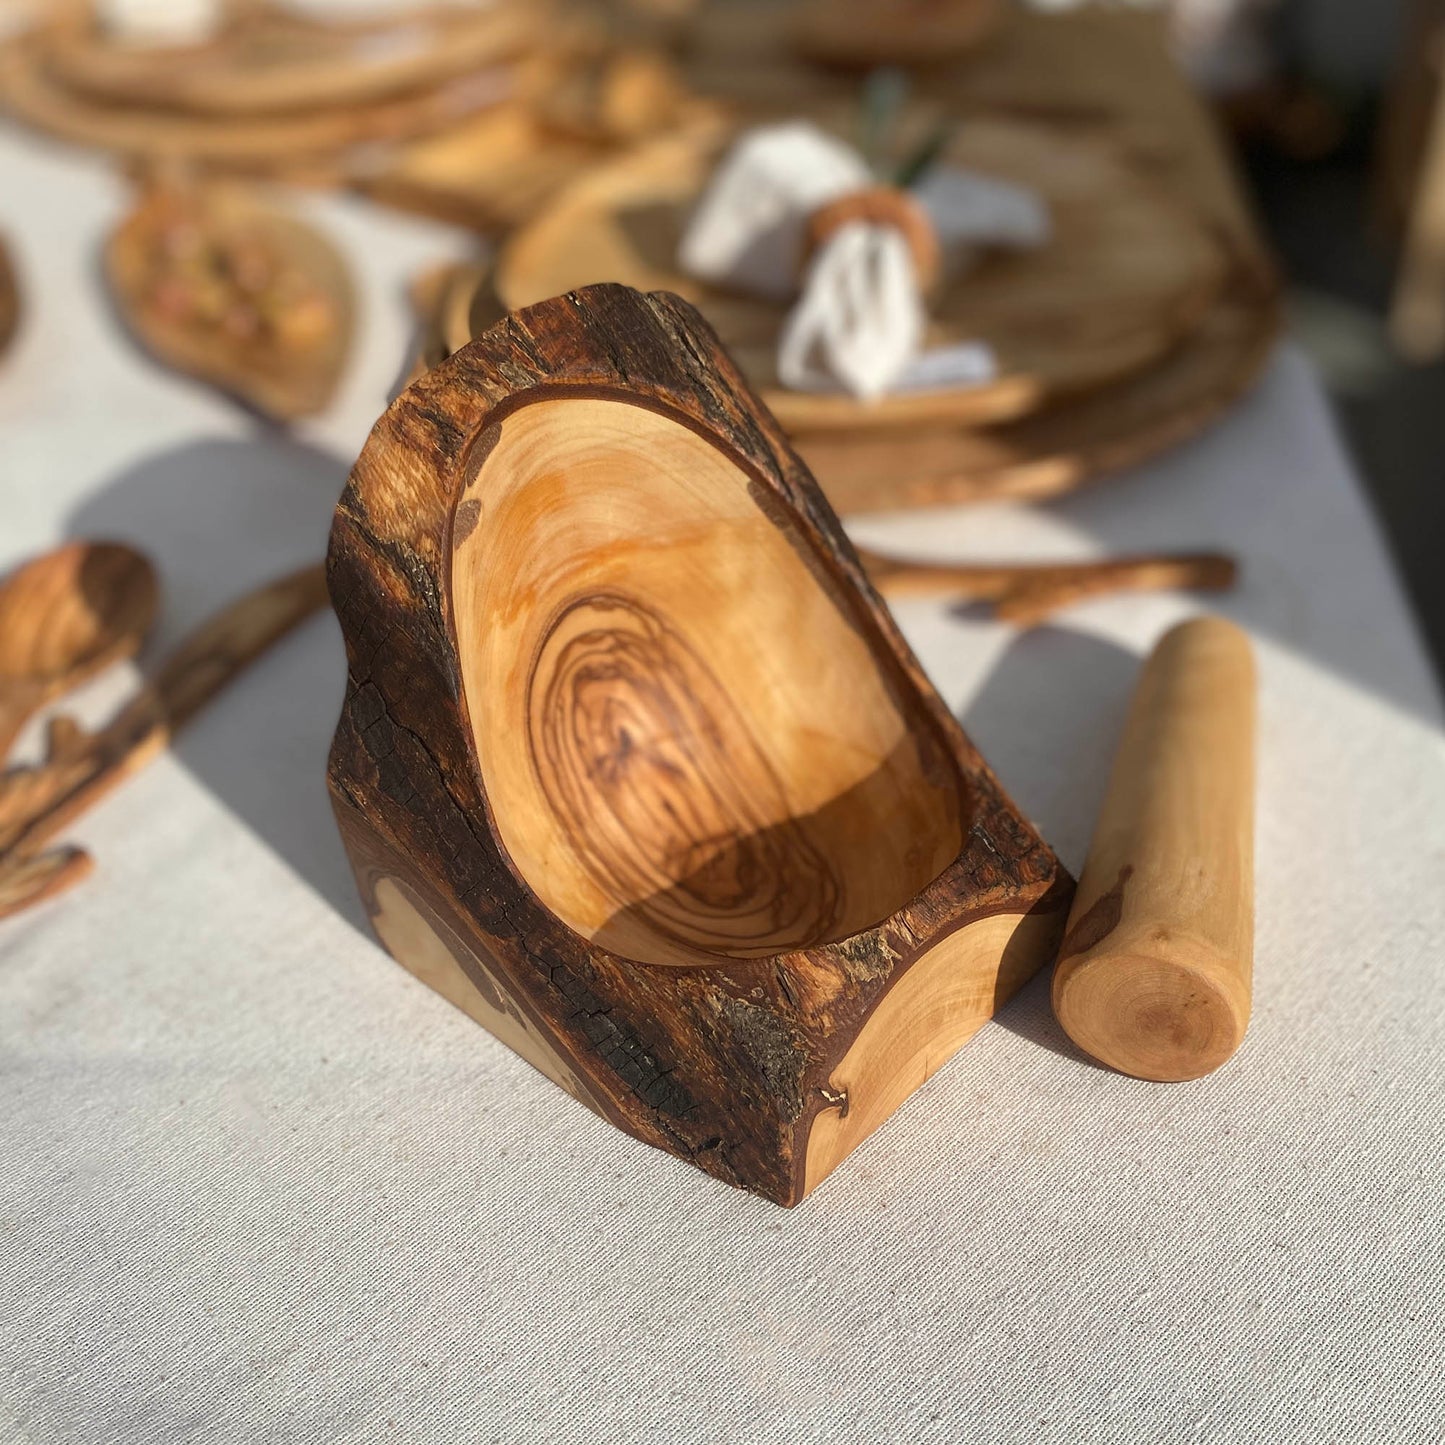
pixel 257 1184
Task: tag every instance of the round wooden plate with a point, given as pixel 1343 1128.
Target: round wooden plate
pixel 1127 274
pixel 1047 454
pixel 267 62
pixel 278 382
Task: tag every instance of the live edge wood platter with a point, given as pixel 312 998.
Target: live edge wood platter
pixel 1127 274
pixel 634 766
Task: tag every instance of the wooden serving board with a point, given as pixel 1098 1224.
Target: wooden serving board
pixel 498 169
pixel 281 382
pixel 1128 273
pixel 312 142
pixel 1058 450
pixel 267 61
pixel 1046 454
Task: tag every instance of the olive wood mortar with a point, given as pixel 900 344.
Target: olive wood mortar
pixel 634 766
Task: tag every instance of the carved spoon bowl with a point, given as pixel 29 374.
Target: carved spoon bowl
pixel 66 616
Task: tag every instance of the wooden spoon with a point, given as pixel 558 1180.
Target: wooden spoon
pixel 82 767
pixel 66 616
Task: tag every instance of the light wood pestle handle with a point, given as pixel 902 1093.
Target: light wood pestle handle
pixel 1155 970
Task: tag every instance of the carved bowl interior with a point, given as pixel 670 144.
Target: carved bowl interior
pixel 695 743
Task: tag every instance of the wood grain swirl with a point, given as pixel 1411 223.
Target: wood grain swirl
pixel 664 790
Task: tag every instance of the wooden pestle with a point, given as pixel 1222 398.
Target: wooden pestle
pixel 1154 973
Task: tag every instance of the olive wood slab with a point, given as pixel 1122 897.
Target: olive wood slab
pixel 739 887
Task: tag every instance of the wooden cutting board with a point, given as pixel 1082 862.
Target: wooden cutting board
pixel 1046 454
pixel 1128 273
pixel 318 143
pixel 267 61
pixel 1058 450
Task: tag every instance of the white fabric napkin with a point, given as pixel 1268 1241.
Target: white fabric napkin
pixel 860 320
pixel 159 22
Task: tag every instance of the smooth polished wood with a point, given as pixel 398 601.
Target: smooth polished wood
pixel 81 767
pixel 635 766
pixel 65 617
pixel 1155 973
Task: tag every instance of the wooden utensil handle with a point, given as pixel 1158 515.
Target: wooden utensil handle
pixel 1154 976
pixel 15 711
pixel 81 768
pixel 1027 592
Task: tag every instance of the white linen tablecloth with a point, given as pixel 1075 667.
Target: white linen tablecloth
pixel 257 1184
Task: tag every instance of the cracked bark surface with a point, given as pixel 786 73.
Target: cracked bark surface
pixel 635 767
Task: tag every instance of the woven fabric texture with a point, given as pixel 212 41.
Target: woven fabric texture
pixel 258 1185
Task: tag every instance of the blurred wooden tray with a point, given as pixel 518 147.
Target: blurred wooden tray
pixel 1061 449
pixel 9 299
pixel 268 61
pixel 1128 273
pixel 1052 452
pixel 568 117
pixel 316 144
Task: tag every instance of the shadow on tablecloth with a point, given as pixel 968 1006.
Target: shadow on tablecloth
pixel 1047 719
pixel 219 517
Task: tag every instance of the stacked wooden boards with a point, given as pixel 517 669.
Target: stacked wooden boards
pixel 1125 274
pixel 1150 313
pixel 462 111
pixel 269 91
pixel 1097 74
